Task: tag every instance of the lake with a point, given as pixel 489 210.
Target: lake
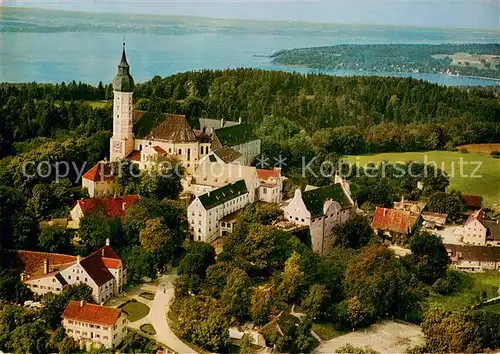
pixel 53 46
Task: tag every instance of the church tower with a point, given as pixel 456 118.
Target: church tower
pixel 122 141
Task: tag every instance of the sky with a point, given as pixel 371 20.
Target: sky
pixel 474 14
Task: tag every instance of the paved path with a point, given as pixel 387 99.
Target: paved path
pixel 158 316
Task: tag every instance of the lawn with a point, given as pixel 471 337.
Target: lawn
pixel 135 310
pixel 486 184
pixel 326 330
pixel 147 295
pixel 471 293
pixel 148 329
pixel 98 104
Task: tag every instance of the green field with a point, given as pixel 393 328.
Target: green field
pixel 98 104
pixel 488 282
pixel 135 310
pixel 485 181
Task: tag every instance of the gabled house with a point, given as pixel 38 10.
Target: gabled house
pixel 481 232
pixel 207 210
pixel 111 207
pixel 394 221
pixel 94 326
pixel 271 185
pixel 321 209
pixel 100 180
pixel 102 270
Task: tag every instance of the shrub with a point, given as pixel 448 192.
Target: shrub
pixel 495 154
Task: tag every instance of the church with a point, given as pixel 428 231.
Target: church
pixel 147 137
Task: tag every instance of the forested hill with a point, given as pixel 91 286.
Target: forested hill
pixel 370 106
pixel 464 59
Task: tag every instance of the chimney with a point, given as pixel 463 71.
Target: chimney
pixel 46 266
pixel 239 120
pixel 82 303
pixel 78 259
pixel 222 123
pixel 123 205
pixel 385 211
pixel 108 242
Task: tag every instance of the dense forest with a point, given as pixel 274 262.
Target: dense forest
pixel 408 58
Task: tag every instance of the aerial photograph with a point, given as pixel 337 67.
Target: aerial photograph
pixel 249 176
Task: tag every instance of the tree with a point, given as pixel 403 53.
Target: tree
pixel 237 294
pixel 95 229
pixel 246 344
pixel 451 203
pixel 161 182
pixel 216 279
pixel 303 341
pixel 140 263
pixel 261 305
pixel 381 283
pixel 355 312
pixel 29 338
pixel 349 349
pixel 155 235
pixel 54 239
pixel 428 256
pixel 354 233
pixel 260 213
pixel 199 256
pixel 290 280
pixel 315 302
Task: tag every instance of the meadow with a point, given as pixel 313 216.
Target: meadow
pixel 480 173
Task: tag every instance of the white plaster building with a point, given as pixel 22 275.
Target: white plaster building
pixel 102 270
pixel 206 210
pixel 481 232
pixel 321 209
pixel 94 326
pixel 271 185
pixel 100 180
pixel 474 258
pixel 210 176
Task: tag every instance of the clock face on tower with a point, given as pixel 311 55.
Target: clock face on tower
pixel 117 146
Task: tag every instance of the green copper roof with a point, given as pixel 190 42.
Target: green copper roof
pixel 315 198
pixel 123 81
pixel 221 195
pixel 235 135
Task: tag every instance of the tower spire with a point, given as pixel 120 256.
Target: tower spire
pixel 124 63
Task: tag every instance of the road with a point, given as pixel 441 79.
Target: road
pixel 158 316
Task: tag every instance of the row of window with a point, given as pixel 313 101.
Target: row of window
pixel 43 287
pixel 89 325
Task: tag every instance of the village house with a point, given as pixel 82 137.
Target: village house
pixel 102 270
pixel 481 232
pixel 94 326
pixel 271 185
pixel 112 207
pixel 394 221
pixel 207 210
pixel 415 207
pixel 434 220
pixel 321 209
pixel 474 258
pixel 149 137
pixel 100 180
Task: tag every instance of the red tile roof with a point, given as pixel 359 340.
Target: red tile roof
pixel 90 313
pixel 477 215
pixel 102 171
pixel 135 155
pixel 33 261
pixel 265 175
pixel 112 207
pixel 159 149
pixel 473 201
pixel 394 220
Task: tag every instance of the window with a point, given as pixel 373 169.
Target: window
pixel 77 278
pixel 202 149
pixel 69 277
pixel 180 152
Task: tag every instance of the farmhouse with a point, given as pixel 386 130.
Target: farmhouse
pixel 321 209
pixel 481 232
pixel 100 180
pixel 474 258
pixel 103 271
pixel 110 207
pixel 94 326
pixel 394 221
